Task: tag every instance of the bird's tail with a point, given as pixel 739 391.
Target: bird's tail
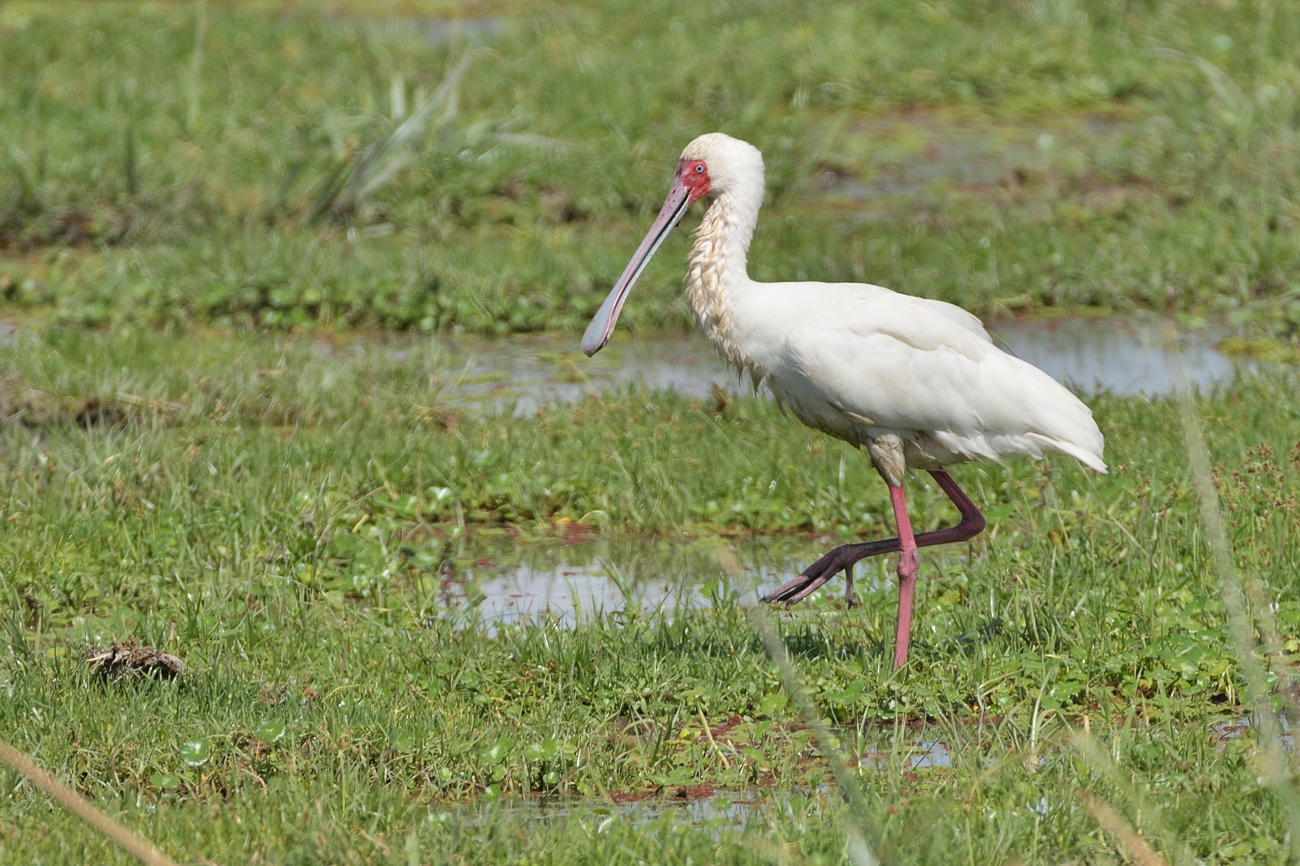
pixel 1088 458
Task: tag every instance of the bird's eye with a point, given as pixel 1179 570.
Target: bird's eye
pixel 699 168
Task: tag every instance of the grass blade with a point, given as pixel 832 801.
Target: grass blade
pixel 131 162
pixel 1272 763
pixel 859 852
pixel 385 158
pixel 196 64
pixel 81 807
pixel 1130 840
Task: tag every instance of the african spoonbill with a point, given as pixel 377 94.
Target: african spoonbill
pixel 918 382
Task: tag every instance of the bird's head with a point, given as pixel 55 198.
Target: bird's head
pixel 730 165
pixel 713 164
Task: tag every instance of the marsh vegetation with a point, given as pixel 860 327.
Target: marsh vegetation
pixel 310 533
pixel 178 162
pixel 213 217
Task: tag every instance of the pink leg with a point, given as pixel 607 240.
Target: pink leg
pixel 909 561
pixel 842 558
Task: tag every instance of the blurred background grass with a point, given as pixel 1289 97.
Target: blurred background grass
pixel 247 162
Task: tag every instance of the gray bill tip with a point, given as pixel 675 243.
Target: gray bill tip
pixel 593 342
pixel 602 324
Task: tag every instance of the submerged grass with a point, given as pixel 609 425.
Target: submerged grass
pixel 181 162
pixel 282 514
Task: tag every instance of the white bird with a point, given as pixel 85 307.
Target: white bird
pixel 918 382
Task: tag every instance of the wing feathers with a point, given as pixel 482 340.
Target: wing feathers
pixel 894 362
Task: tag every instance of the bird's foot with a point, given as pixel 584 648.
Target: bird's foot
pixel 814 577
pixel 843 557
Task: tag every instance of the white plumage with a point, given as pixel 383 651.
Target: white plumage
pixel 917 382
pixel 884 362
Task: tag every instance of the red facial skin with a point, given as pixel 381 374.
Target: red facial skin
pixel 694 175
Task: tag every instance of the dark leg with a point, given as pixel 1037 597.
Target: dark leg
pixel 850 597
pixel 909 563
pixel 843 557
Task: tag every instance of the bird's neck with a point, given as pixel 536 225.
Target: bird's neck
pixel 717 267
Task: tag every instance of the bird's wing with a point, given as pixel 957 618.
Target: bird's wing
pixel 866 299
pixel 906 364
pixel 960 317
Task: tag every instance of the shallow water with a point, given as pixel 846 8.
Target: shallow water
pixel 1124 355
pixel 921 755
pixel 566 584
pixel 528 371
pixel 572 583
pixel 716 812
pixel 564 593
pixel 437 31
pixel 1240 728
pixel 719 810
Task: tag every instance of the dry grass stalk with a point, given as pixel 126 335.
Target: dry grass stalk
pixel 859 852
pixel 78 805
pixel 1131 841
pixel 1154 817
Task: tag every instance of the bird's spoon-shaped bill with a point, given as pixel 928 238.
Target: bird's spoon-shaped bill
pixel 602 324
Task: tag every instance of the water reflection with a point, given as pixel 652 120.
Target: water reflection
pixel 572 583
pixel 564 593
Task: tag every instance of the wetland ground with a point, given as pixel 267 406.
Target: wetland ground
pixel 444 600
pixel 317 537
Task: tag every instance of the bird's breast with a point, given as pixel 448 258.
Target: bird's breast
pixel 800 393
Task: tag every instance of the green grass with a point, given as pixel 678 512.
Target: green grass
pixel 150 175
pixel 280 513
